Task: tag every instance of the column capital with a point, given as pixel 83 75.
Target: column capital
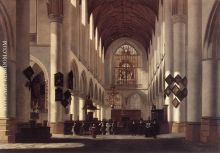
pixel 55 10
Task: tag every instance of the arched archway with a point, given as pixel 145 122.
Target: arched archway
pixel 39 89
pixel 75 71
pixel 7 65
pixel 210 74
pixel 6 32
pixel 212 39
pixel 83 84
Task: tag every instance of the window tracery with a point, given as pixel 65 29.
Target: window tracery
pixel 125 65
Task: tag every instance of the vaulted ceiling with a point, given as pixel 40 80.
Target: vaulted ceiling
pixel 124 18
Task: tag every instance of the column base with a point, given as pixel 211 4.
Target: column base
pixel 7 130
pixel 193 131
pixel 210 130
pixel 57 128
pixel 178 127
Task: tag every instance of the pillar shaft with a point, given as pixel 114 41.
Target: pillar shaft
pixel 168 54
pixel 55 12
pixel 55 66
pixel 194 67
pixel 11 88
pixel 22 59
pixel 179 65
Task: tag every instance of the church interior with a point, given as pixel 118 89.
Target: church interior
pixel 69 66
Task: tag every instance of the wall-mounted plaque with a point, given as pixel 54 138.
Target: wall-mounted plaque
pixel 180 96
pixel 58 94
pixel 178 79
pixel 175 90
pixel 175 102
pixel 168 91
pixel 169 79
pixel 58 79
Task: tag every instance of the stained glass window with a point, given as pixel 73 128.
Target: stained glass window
pixel 125 65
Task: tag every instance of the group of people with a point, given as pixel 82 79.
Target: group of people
pixel 99 127
pixel 148 128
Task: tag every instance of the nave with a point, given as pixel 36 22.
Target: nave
pixel 94 64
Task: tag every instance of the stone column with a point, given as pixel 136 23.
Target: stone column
pixel 194 70
pixel 210 123
pixel 66 47
pixel 168 55
pixel 23 59
pixel 179 45
pixel 55 12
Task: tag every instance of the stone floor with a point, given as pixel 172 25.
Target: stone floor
pixel 172 143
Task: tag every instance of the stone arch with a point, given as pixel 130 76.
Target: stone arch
pixel 40 71
pixel 6 32
pixel 74 68
pixel 212 39
pixel 7 46
pixel 109 55
pixel 91 88
pixel 83 84
pixel 41 65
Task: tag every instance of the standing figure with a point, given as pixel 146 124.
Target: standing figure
pixel 93 130
pixel 108 126
pixel 114 128
pixel 148 129
pixel 74 128
pixel 82 129
pixel 156 129
pixel 141 127
pixel 133 128
pixel 102 128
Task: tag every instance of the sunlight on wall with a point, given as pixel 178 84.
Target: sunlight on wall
pixel 102 113
pixel 3 93
pixel 100 48
pixel 53 70
pixel 83 12
pixel 91 26
pixel 73 2
pixel 96 38
pixel 72 106
pixel 176 114
pixel 98 112
pixel 81 112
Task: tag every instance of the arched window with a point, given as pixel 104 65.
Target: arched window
pixel 125 65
